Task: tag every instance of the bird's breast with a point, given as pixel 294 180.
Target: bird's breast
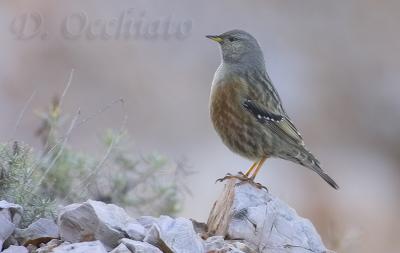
pixel 234 125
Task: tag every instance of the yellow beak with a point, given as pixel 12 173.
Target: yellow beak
pixel 215 38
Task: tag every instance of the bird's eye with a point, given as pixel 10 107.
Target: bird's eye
pixel 231 39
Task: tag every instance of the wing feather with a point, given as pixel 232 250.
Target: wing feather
pixel 281 125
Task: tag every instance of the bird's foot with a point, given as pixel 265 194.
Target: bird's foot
pixel 253 183
pixel 243 180
pixel 240 176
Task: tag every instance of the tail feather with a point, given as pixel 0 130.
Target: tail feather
pixel 308 160
pixel 325 176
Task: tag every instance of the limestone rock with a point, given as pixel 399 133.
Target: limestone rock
pixel 138 247
pixel 41 231
pixel 262 221
pixel 16 249
pixel 135 231
pixel 245 219
pixel 47 248
pixel 199 227
pixel 94 220
pixel 13 211
pixel 174 235
pixel 147 221
pixel 6 229
pixel 82 247
pixel 217 244
pixel 121 249
pixel 10 216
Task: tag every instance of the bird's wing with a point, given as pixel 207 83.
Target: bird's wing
pixel 281 125
pixel 264 92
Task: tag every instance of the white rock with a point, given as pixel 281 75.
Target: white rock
pixel 82 247
pixel 16 249
pixel 10 216
pixel 214 243
pixel 176 235
pixel 121 249
pixel 264 222
pixel 6 229
pixel 135 231
pixel 218 244
pixel 242 247
pixel 147 221
pixel 49 246
pixel 94 220
pixel 140 247
pixel 14 211
pixel 42 230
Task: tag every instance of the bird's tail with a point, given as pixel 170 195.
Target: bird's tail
pixel 308 160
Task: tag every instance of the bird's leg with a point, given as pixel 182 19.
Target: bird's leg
pixel 242 177
pixel 259 165
pixel 251 169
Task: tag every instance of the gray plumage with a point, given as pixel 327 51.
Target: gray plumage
pixel 247 111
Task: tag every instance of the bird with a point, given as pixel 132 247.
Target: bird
pixel 247 112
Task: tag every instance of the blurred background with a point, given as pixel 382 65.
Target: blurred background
pixel 334 63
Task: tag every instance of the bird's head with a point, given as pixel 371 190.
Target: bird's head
pixel 238 46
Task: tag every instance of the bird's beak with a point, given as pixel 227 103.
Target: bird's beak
pixel 215 38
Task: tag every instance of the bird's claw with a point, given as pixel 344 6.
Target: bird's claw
pixel 227 176
pixel 242 180
pixel 250 181
pixel 240 176
pixel 258 185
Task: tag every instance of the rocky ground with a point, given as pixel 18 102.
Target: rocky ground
pixel 244 219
